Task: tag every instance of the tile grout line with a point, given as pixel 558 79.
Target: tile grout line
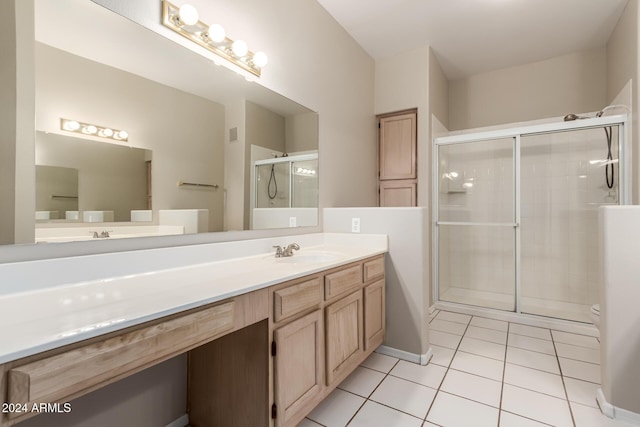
pixel 435 396
pixel 504 370
pixel 564 386
pixel 366 399
pixel 449 367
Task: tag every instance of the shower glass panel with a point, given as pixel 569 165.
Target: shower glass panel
pixel 516 214
pixel 272 185
pixel 305 184
pixel 565 178
pixel 475 223
pixel 476 265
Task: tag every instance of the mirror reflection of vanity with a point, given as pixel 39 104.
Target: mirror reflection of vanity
pixel 197 131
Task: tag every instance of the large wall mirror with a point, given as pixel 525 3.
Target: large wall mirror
pixel 207 150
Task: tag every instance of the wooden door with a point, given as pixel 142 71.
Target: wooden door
pixel 398 193
pixel 398 146
pixel 374 320
pixel 298 367
pixel 344 335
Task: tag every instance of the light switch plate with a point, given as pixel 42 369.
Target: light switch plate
pixel 292 221
pixel 355 225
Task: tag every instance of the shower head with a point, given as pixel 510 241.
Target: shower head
pixel 572 117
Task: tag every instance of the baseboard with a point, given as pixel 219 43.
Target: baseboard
pixel 421 359
pixel 616 413
pixel 180 422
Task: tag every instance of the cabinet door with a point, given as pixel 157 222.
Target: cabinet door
pixel 398 146
pixel 344 335
pixel 374 311
pixel 399 193
pixel 298 367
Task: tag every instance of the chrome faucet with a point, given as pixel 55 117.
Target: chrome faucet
pixel 279 253
pixel 289 249
pixel 286 252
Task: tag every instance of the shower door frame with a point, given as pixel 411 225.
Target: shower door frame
pixel 624 182
pixel 286 159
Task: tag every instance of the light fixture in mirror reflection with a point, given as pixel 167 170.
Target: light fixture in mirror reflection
pixel 181 110
pixel 93 130
pixel 185 21
pixel 77 175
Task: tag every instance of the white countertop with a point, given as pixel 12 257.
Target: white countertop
pixel 37 320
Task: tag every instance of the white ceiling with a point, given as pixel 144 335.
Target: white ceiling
pixel 475 36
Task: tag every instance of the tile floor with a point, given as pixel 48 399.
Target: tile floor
pixel 484 372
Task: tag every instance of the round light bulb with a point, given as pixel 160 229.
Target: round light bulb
pixel 239 48
pixel 188 14
pixel 91 129
pixel 106 132
pixel 216 33
pixel 260 59
pixel 71 125
pixel 123 134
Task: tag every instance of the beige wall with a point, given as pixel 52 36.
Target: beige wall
pixel 109 176
pixel 312 61
pixel 73 87
pixel 574 83
pixel 235 166
pixel 8 104
pixel 301 132
pixel 438 90
pixel 415 80
pixel 622 66
pixel 402 82
pixel 17 170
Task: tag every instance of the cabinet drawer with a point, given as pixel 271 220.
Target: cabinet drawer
pixel 342 281
pixel 373 269
pixel 296 298
pixel 57 377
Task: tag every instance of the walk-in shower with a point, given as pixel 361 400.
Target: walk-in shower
pixel 516 214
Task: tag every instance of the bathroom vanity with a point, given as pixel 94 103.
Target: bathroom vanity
pixel 261 352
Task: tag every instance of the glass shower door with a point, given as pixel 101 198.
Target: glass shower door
pixel 272 185
pixel 566 177
pixel 476 223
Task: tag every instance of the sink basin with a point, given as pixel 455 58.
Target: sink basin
pixel 308 258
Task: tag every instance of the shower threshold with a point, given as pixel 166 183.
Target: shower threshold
pixel 505 302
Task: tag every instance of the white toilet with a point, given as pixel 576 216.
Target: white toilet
pixel 595 315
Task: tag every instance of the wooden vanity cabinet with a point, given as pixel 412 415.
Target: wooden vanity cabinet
pixel 298 367
pixel 264 358
pixel 65 373
pixel 345 343
pixel 374 314
pixel 323 327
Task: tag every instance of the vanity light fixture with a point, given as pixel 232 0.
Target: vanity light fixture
pixel 94 130
pixel 305 171
pixel 185 21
